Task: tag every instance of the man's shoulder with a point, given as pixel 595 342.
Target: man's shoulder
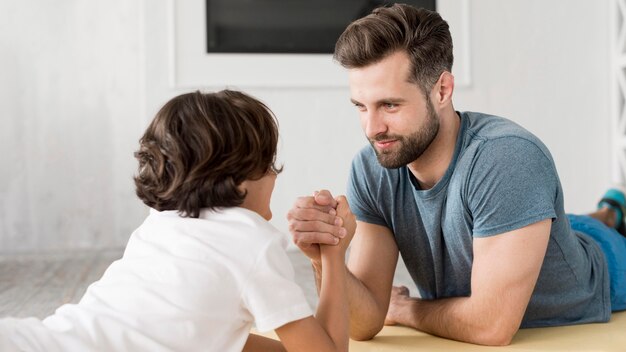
pixel 488 126
pixel 496 130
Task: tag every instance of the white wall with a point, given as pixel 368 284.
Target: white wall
pixel 70 103
pixel 81 79
pixel 545 64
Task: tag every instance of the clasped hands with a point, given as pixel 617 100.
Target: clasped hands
pixel 321 220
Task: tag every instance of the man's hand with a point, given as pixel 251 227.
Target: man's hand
pixel 314 221
pixel 397 307
pixel 349 224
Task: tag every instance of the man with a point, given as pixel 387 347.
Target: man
pixel 473 202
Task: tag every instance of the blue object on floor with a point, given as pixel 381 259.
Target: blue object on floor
pixel 615 199
pixel 614 247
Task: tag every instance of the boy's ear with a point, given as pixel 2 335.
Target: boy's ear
pixel 243 186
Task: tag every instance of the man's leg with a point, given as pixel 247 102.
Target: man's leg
pixel 615 200
pixel 606 215
pixel 613 245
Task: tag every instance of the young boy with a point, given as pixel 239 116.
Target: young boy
pixel 205 264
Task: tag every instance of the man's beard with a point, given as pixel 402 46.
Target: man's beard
pixel 412 146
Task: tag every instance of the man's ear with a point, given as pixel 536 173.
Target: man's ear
pixel 443 89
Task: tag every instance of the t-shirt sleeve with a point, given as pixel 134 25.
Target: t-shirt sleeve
pixel 271 294
pixel 513 183
pixel 359 193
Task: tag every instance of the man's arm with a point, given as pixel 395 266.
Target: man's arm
pixel 372 260
pixel 504 273
pixel 372 263
pixel 328 330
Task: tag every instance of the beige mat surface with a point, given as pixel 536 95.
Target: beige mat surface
pixel 610 337
pixel 34 285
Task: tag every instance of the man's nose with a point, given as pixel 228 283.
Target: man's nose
pixel 374 124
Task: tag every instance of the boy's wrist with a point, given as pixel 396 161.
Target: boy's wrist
pixel 317 263
pixel 332 254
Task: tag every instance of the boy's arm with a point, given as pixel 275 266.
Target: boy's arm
pixel 329 330
pixel 256 343
pixel 373 258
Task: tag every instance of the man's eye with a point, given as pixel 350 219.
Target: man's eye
pixel 391 105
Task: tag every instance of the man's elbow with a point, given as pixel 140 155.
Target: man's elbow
pixel 496 336
pixel 359 336
pixel 361 333
pixel 496 340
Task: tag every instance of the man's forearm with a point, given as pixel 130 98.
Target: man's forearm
pixel 366 316
pixel 505 269
pixel 459 318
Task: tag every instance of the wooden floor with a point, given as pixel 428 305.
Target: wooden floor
pixel 35 285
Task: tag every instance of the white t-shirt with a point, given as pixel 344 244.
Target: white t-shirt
pixel 183 284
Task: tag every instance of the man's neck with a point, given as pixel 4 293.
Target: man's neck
pixel 431 166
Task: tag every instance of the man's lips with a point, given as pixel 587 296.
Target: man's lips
pixel 385 143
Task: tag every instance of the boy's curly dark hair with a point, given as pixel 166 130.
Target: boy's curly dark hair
pixel 200 147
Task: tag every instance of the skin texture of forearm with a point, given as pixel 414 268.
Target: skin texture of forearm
pixel 459 318
pixel 332 311
pixel 500 292
pixel 366 317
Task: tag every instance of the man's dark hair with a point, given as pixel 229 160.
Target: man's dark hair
pixel 422 34
pixel 200 147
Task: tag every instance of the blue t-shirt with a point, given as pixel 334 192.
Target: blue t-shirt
pixel 501 178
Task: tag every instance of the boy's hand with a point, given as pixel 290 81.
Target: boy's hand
pixel 313 221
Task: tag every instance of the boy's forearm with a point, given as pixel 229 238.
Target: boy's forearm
pixel 365 316
pixel 256 343
pixel 332 311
